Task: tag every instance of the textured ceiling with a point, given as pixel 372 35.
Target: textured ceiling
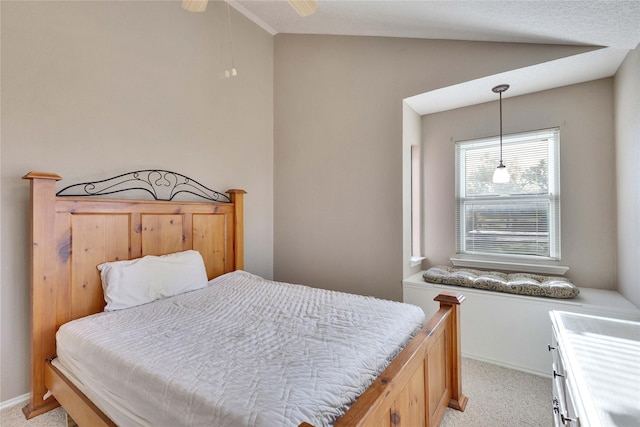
pixel 612 24
pixel 601 23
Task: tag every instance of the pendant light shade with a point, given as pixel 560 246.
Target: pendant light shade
pixel 500 175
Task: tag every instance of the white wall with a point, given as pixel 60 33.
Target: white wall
pixel 93 89
pixel 584 113
pixel 627 128
pixel 411 136
pixel 338 148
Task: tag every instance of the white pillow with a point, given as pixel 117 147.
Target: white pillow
pixel 142 280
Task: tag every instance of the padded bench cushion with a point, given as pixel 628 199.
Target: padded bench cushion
pixel 514 283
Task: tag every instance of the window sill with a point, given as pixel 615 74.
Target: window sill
pixel 515 265
pixel 415 261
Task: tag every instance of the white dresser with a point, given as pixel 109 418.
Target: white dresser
pixel 596 371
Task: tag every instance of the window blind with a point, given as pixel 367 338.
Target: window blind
pixel 521 217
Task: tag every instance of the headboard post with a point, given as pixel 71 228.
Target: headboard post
pixel 238 240
pixel 43 308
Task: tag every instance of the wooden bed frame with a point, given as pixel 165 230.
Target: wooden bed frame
pixel 71 235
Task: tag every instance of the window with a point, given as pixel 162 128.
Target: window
pixel 416 205
pixel 519 219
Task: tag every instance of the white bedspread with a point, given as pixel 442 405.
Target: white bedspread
pixel 243 351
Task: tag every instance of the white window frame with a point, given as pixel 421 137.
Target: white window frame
pixel 534 263
pixel 416 207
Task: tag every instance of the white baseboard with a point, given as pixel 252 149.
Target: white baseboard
pixel 15 401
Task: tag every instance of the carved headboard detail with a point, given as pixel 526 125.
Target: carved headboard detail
pixel 161 184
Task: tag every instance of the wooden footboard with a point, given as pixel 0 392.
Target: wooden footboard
pixel 422 380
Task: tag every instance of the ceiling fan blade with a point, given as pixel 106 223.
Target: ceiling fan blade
pixel 304 7
pixel 194 5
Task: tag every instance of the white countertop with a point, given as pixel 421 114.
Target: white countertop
pixel 602 357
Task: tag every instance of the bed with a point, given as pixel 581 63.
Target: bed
pixel 72 234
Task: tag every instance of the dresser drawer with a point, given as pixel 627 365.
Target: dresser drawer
pixel 564 412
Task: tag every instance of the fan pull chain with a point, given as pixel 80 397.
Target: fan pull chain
pixel 233 72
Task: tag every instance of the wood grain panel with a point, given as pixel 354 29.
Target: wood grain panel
pixel 233 245
pixel 384 421
pixel 62 267
pixel 437 381
pixel 409 407
pixel 135 235
pixel 209 239
pixel 95 239
pixel 236 239
pixel 161 234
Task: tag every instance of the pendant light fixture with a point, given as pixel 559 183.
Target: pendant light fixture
pixel 500 175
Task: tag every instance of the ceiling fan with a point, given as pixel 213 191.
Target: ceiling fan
pixel 303 7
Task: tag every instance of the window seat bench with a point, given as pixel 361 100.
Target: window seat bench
pixel 513 283
pixel 513 330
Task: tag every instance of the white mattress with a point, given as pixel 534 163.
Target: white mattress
pixel 243 351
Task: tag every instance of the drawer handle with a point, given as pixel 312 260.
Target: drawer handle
pixel 550 347
pixel 556 374
pixel 566 420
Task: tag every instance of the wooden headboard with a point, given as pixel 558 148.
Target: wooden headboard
pixel 71 235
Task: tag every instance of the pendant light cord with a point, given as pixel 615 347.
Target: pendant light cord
pixel 501 128
pixel 499 89
pixel 500 174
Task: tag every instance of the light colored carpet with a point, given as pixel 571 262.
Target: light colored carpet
pixel 501 397
pixel 13 417
pixel 498 397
